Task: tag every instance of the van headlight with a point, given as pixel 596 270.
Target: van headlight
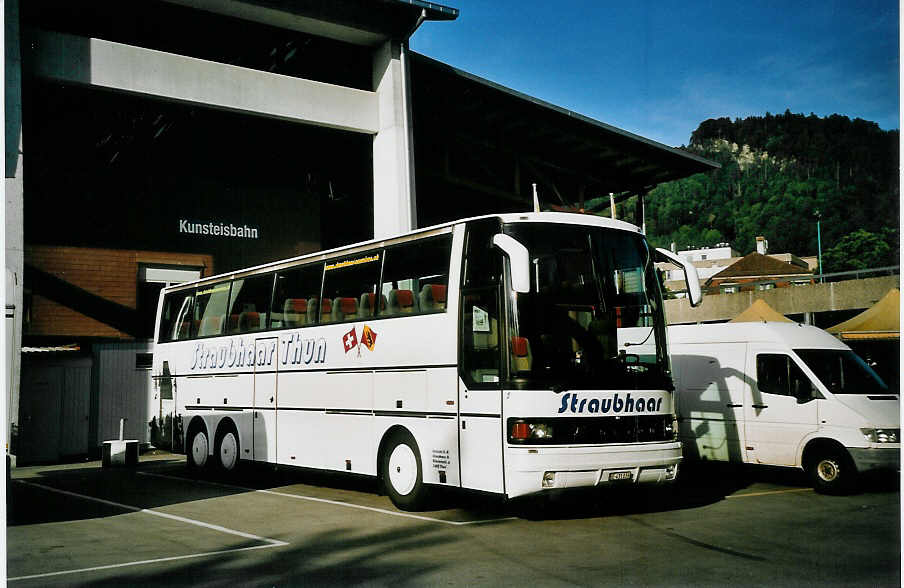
pixel 882 435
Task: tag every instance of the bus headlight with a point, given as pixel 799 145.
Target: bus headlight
pixel 521 430
pixel 882 435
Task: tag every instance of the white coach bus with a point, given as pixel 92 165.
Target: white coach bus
pixel 510 354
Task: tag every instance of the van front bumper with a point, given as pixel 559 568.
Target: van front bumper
pixel 539 469
pixel 876 458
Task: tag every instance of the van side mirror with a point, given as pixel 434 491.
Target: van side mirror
pixel 691 279
pixel 519 261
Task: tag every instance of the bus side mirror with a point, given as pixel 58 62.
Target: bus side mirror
pixel 519 261
pixel 694 294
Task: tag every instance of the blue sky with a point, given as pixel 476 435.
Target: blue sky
pixel 660 68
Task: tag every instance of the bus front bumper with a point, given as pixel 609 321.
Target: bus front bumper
pixel 538 469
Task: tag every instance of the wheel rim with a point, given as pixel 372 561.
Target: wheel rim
pixel 199 449
pixel 402 469
pixel 827 470
pixel 228 451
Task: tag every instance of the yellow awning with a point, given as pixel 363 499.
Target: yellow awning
pixel 759 312
pixel 880 321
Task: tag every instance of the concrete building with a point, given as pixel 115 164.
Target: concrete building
pixel 152 143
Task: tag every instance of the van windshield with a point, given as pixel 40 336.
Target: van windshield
pixel 842 371
pixel 593 316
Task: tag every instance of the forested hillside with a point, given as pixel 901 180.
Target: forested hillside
pixel 778 172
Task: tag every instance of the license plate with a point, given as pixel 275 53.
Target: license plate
pixel 619 476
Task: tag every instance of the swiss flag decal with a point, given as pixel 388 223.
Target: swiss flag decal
pixel 350 340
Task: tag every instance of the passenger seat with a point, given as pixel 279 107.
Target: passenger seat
pixel 345 309
pixel 401 302
pixel 295 312
pixel 433 298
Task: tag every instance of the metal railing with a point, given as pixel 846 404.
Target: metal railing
pixel 888 270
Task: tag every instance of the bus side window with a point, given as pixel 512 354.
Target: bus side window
pixel 348 280
pixel 480 336
pixel 415 277
pixel 295 296
pixel 210 309
pixel 249 303
pixel 480 326
pixel 176 317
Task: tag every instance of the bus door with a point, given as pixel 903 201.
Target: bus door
pixel 480 430
pixel 265 403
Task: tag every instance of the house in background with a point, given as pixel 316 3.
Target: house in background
pixel 713 265
pixel 756 271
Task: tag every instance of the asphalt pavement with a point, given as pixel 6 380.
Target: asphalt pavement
pixel 158 524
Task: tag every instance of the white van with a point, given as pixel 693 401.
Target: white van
pixel 782 394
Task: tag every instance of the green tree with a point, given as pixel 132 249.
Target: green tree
pixel 862 250
pixel 847 169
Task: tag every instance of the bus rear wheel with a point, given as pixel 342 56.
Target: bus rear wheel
pixel 198 449
pixel 227 450
pixel 402 473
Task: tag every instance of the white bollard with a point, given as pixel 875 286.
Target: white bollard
pixel 121 451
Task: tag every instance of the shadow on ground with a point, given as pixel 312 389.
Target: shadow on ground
pixel 162 482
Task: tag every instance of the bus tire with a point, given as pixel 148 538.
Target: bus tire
pixel 226 448
pixel 400 469
pixel 198 448
pixel 831 471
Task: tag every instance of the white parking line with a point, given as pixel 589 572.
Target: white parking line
pixel 269 542
pixel 768 492
pixel 142 562
pixel 333 502
pixel 157 513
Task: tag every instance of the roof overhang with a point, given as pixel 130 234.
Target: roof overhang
pixel 360 22
pixel 604 156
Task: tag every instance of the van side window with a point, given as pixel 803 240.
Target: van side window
pixel 346 282
pixel 249 304
pixel 296 297
pixel 415 278
pixel 778 374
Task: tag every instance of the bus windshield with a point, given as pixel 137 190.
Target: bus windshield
pixel 842 371
pixel 593 318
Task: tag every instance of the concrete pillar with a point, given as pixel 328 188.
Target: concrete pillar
pixel 13 207
pixel 393 161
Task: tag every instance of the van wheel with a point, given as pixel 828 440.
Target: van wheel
pixel 198 449
pixel 400 469
pixel 832 472
pixel 227 450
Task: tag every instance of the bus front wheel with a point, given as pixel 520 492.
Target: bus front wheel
pixel 198 449
pixel 402 473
